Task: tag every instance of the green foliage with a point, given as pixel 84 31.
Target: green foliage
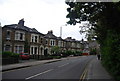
pixel 102 16
pixel 70 52
pixel 78 53
pixel 105 20
pixel 15 55
pixel 111 54
pixel 10 54
pixel 6 54
pixel 93 52
pixel 66 53
pixel 55 49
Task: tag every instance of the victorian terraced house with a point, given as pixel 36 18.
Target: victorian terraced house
pixel 18 38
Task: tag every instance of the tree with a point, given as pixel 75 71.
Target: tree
pixel 105 20
pixel 55 50
pixel 98 14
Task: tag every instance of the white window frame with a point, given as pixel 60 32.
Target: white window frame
pixel 18 48
pixel 52 42
pixel 46 41
pixel 33 50
pixel 17 35
pixel 8 38
pixel 33 38
pixel 9 48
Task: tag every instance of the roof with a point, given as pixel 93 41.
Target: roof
pixel 50 35
pixel 25 28
pixel 59 38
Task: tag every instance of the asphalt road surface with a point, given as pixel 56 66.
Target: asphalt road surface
pixel 71 68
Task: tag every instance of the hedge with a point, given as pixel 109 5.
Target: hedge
pixel 110 51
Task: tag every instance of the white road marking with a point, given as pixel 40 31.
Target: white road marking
pixel 38 74
pixel 63 65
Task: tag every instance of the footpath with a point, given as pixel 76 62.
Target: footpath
pixel 96 72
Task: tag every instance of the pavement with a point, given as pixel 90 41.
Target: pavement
pixel 94 71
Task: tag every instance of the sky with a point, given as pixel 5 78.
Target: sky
pixel 43 15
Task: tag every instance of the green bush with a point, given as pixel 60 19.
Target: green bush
pixel 56 57
pixel 110 51
pixel 78 53
pixel 9 54
pixel 93 51
pixel 15 55
pixel 65 54
pixel 6 54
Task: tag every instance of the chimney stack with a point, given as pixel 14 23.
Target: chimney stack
pixel 21 22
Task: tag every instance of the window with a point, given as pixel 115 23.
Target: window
pixel 36 38
pixel 41 40
pixel 7 48
pixel 46 42
pixel 19 49
pixel 19 36
pixel 16 49
pixel 61 43
pixel 8 35
pixel 51 43
pixel 35 52
pixel 31 50
pixel 32 39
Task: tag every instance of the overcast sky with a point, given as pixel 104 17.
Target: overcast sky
pixel 44 15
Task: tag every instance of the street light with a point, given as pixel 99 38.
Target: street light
pixel 61 30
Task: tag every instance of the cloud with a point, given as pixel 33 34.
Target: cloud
pixel 44 15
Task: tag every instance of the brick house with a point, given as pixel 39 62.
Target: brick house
pixel 72 44
pixel 51 40
pixel 19 38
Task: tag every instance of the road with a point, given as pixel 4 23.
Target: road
pixel 71 68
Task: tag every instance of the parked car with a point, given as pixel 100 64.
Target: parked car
pixel 25 56
pixel 85 53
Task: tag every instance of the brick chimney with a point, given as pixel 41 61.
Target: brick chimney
pixel 50 32
pixel 21 22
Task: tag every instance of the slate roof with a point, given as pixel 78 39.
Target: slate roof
pixel 59 38
pixel 24 28
pixel 50 35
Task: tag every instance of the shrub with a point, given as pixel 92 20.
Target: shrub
pixel 6 54
pixel 56 57
pixel 15 55
pixel 78 53
pixel 9 54
pixel 110 51
pixel 93 51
